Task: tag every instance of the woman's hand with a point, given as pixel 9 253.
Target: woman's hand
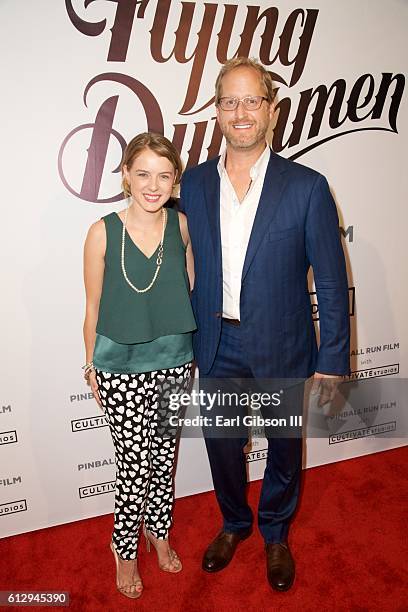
pixel 94 387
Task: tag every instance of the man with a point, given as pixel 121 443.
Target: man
pixel 257 223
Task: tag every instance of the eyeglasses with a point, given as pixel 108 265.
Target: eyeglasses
pixel 251 103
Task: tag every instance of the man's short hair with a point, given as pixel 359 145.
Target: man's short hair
pixel 246 62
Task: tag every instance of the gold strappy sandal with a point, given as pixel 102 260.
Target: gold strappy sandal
pixel 174 564
pixel 133 590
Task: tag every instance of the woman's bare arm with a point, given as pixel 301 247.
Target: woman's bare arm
pixel 189 251
pixel 94 266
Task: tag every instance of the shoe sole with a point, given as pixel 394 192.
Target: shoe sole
pixel 281 590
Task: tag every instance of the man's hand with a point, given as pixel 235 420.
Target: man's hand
pixel 326 386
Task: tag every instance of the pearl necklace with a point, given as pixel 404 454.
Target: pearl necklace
pixel 159 259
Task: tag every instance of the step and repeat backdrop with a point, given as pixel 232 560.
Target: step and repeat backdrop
pixel 80 79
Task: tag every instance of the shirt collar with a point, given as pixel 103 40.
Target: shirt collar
pixel 259 167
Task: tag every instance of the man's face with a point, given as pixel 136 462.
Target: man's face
pixel 244 129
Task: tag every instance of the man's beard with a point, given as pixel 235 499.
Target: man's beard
pixel 237 142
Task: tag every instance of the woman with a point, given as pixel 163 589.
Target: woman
pixel 137 331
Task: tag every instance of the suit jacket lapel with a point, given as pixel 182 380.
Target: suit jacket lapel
pixel 268 205
pixel 212 200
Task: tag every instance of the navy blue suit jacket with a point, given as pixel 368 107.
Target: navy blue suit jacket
pixel 295 227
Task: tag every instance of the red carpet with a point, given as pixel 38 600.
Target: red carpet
pixel 349 541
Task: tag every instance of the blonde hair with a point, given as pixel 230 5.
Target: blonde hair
pixel 158 144
pixel 246 62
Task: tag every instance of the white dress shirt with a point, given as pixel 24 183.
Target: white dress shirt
pixel 236 221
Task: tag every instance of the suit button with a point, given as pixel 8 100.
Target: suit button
pixel 218 315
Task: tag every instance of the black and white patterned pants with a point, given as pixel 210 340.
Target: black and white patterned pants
pixel 137 410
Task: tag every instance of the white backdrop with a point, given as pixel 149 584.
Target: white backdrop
pixel 71 100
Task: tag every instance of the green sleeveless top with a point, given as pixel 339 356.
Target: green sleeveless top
pixel 128 317
pixel 124 345
pixel 160 354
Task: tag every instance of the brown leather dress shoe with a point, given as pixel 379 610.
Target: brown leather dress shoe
pixel 280 566
pixel 222 549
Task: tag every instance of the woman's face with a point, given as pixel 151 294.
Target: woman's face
pixel 151 179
